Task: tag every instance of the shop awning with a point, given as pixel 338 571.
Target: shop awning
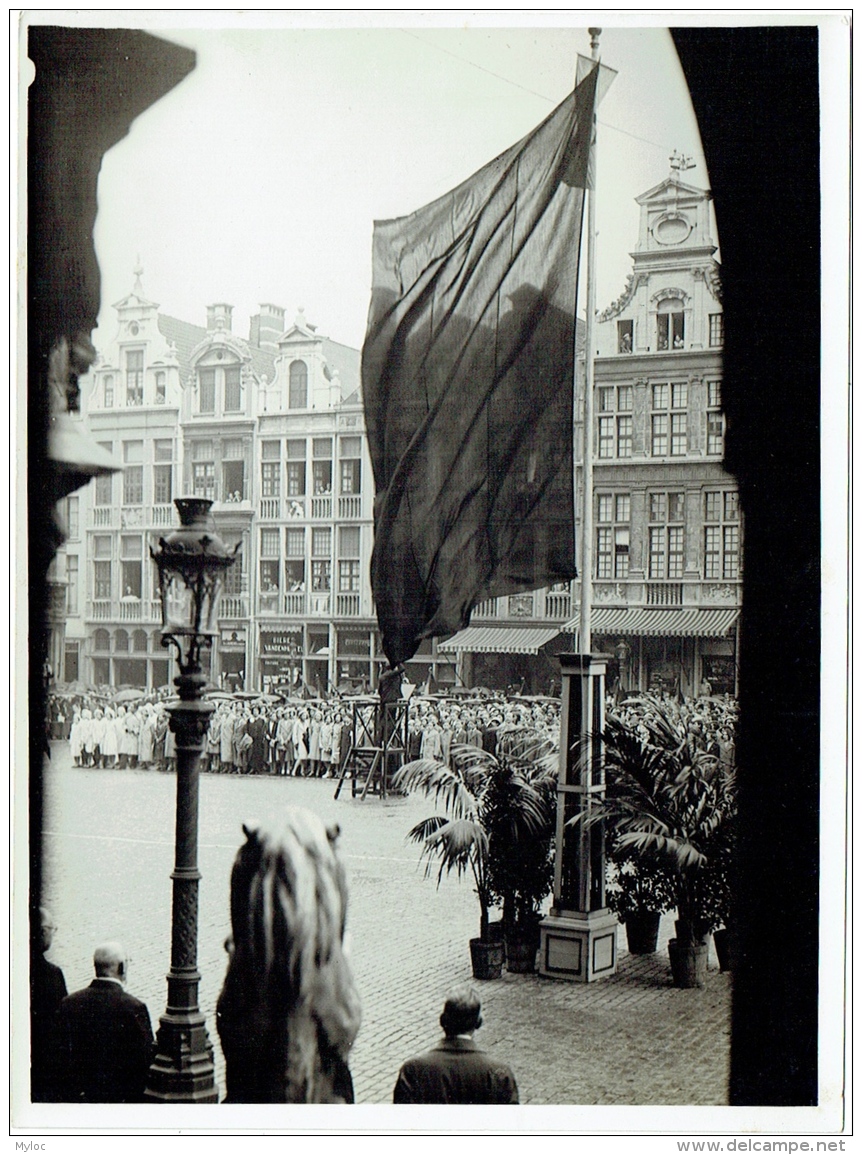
pixel 500 640
pixel 648 622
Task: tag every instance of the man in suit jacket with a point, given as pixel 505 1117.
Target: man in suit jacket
pixel 47 991
pixel 106 1037
pixel 456 1070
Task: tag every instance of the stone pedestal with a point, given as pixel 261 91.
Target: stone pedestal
pixel 580 948
pixel 579 939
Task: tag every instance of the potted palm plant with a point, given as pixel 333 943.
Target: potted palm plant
pixel 639 889
pixel 519 815
pixel 667 797
pixel 493 807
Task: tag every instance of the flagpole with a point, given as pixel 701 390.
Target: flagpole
pixel 585 624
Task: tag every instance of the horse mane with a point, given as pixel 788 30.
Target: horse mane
pixel 288 1012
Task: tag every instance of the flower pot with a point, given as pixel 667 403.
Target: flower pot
pixel 688 963
pixel 721 938
pixel 688 933
pixel 495 934
pixel 642 931
pixel 522 946
pixel 487 958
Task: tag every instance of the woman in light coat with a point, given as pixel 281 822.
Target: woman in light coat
pixel 226 740
pixel 146 737
pixel 129 738
pixel 76 744
pixel 95 737
pixel 110 746
pixel 283 743
pixel 300 750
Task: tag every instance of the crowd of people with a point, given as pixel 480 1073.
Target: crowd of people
pixel 312 739
pixel 712 721
pixel 291 739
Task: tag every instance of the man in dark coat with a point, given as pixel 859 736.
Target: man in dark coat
pixel 47 991
pixel 456 1070
pixel 106 1037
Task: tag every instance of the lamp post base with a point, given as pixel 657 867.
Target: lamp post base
pixel 578 947
pixel 183 1070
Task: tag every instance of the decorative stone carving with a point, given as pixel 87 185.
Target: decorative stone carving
pixel 671 294
pixel 725 593
pixel 713 283
pixel 609 592
pixel 521 606
pixel 632 285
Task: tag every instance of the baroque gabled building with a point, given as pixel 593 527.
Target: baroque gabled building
pixel 667 546
pixel 271 429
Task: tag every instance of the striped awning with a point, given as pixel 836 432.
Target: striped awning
pixel 500 640
pixel 649 622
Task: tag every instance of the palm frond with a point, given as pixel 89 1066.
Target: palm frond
pixel 455 792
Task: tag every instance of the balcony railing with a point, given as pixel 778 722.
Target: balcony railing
pixel 321 507
pixel 664 593
pixel 233 606
pixel 104 516
pixel 347 605
pixel 558 606
pixel 163 515
pixel 350 507
pixel 294 604
pixel 270 508
pixel 144 610
pixel 486 609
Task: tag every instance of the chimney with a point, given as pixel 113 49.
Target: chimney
pixel 219 317
pixel 266 328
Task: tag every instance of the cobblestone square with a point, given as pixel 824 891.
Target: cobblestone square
pixel 630 1039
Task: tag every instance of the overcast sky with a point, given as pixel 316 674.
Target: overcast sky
pixel 259 177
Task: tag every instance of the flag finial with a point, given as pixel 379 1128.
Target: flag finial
pixel 680 163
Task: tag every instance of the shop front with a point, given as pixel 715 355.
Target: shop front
pixel 353 662
pixel 232 658
pixel 281 660
pixel 717 666
pixel 513 659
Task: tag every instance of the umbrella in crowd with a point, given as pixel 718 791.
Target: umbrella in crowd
pixel 129 695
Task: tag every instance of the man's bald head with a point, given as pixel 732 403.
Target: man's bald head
pixel 109 960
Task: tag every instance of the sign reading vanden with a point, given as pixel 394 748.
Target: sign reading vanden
pixel 282 643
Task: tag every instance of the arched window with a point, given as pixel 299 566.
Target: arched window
pixel 139 641
pixel 101 640
pixel 671 324
pixel 121 642
pixel 298 396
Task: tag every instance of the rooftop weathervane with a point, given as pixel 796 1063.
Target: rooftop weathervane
pixel 680 163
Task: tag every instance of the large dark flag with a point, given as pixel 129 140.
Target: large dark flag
pixel 467 377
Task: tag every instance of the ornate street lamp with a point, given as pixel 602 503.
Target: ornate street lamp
pixel 623 652
pixel 192 563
